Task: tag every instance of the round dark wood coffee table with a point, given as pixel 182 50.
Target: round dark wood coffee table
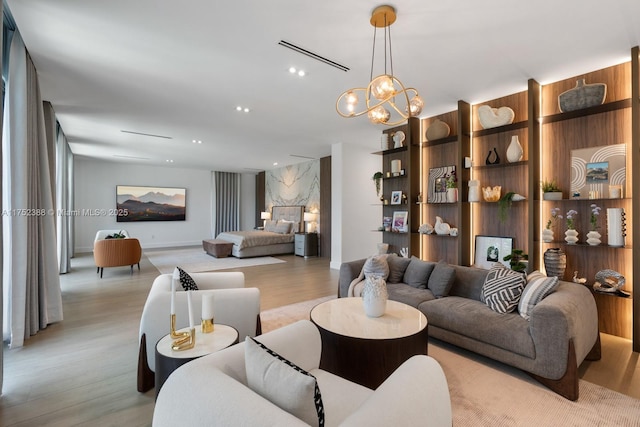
pixel 367 350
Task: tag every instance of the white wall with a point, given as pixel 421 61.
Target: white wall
pixel 355 208
pixel 95 189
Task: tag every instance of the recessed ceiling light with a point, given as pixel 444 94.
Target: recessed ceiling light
pixel 294 70
pixel 275 163
pixel 245 109
pixel 169 161
pixel 238 108
pixel 196 141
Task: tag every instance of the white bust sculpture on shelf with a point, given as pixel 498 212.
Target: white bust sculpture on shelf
pixel 441 227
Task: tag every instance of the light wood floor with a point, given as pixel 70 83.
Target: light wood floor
pixel 82 371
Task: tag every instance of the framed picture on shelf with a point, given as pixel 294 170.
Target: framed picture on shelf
pixel 438 183
pixel 399 223
pixel 396 197
pixel 490 249
pixel 595 170
pixel 386 223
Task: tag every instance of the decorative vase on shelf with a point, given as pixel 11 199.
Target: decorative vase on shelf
pixel 492 157
pixel 582 96
pixel 547 235
pixel 437 130
pixel 452 195
pixel 514 150
pixel 474 190
pixel 593 238
pixel 374 296
pixel 616 227
pixel 571 236
pixel 555 262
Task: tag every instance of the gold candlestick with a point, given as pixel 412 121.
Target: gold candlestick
pixel 207 325
pixel 185 343
pixel 172 330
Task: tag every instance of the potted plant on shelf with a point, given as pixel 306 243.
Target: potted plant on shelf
pixel 550 190
pixel 377 178
pixel 547 233
pixel 504 204
pixel 516 260
pixel 593 236
pixel 452 187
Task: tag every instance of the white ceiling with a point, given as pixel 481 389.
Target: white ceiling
pixel 179 69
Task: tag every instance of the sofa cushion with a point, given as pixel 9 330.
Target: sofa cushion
pixel 538 287
pixel 418 272
pixel 397 267
pixel 283 383
pixel 475 320
pixel 376 266
pixel 408 295
pixel 468 282
pixel 187 282
pixel 502 288
pixel 441 279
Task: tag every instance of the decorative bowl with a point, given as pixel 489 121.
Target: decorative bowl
pixel 491 194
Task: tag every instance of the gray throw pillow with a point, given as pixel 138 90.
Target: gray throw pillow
pixel 441 279
pixel 418 272
pixel 397 267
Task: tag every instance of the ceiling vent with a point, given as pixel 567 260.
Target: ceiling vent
pixel 313 55
pixel 146 134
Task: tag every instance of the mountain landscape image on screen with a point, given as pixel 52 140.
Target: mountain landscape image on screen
pixel 150 204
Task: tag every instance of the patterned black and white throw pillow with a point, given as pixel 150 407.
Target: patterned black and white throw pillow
pixel 502 288
pixel 187 282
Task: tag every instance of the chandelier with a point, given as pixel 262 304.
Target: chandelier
pixel 386 100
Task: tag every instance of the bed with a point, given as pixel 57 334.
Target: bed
pixel 272 240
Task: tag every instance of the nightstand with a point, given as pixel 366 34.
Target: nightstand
pixel 306 244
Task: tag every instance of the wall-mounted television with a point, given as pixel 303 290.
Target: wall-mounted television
pixel 136 203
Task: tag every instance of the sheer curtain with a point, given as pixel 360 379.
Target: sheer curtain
pixel 226 202
pixel 31 285
pixel 64 200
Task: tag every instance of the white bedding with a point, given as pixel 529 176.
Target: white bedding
pixel 252 238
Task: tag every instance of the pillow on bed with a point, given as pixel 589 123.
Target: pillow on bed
pixel 294 225
pixel 270 225
pixel 283 227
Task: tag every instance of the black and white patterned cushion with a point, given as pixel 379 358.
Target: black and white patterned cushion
pixel 502 288
pixel 538 287
pixel 283 383
pixel 187 282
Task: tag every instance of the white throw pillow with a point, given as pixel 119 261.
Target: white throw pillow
pixel 283 383
pixel 538 287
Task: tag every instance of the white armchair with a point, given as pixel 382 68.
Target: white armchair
pixel 212 390
pixel 234 305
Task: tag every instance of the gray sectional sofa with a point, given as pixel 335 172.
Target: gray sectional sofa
pixel 561 332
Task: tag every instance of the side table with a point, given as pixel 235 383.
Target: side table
pixel 366 350
pixel 306 244
pixel 168 360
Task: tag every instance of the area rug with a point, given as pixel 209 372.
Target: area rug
pixel 195 259
pixel 487 393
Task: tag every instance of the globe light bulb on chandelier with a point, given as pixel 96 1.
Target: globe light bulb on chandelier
pixel 387 100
